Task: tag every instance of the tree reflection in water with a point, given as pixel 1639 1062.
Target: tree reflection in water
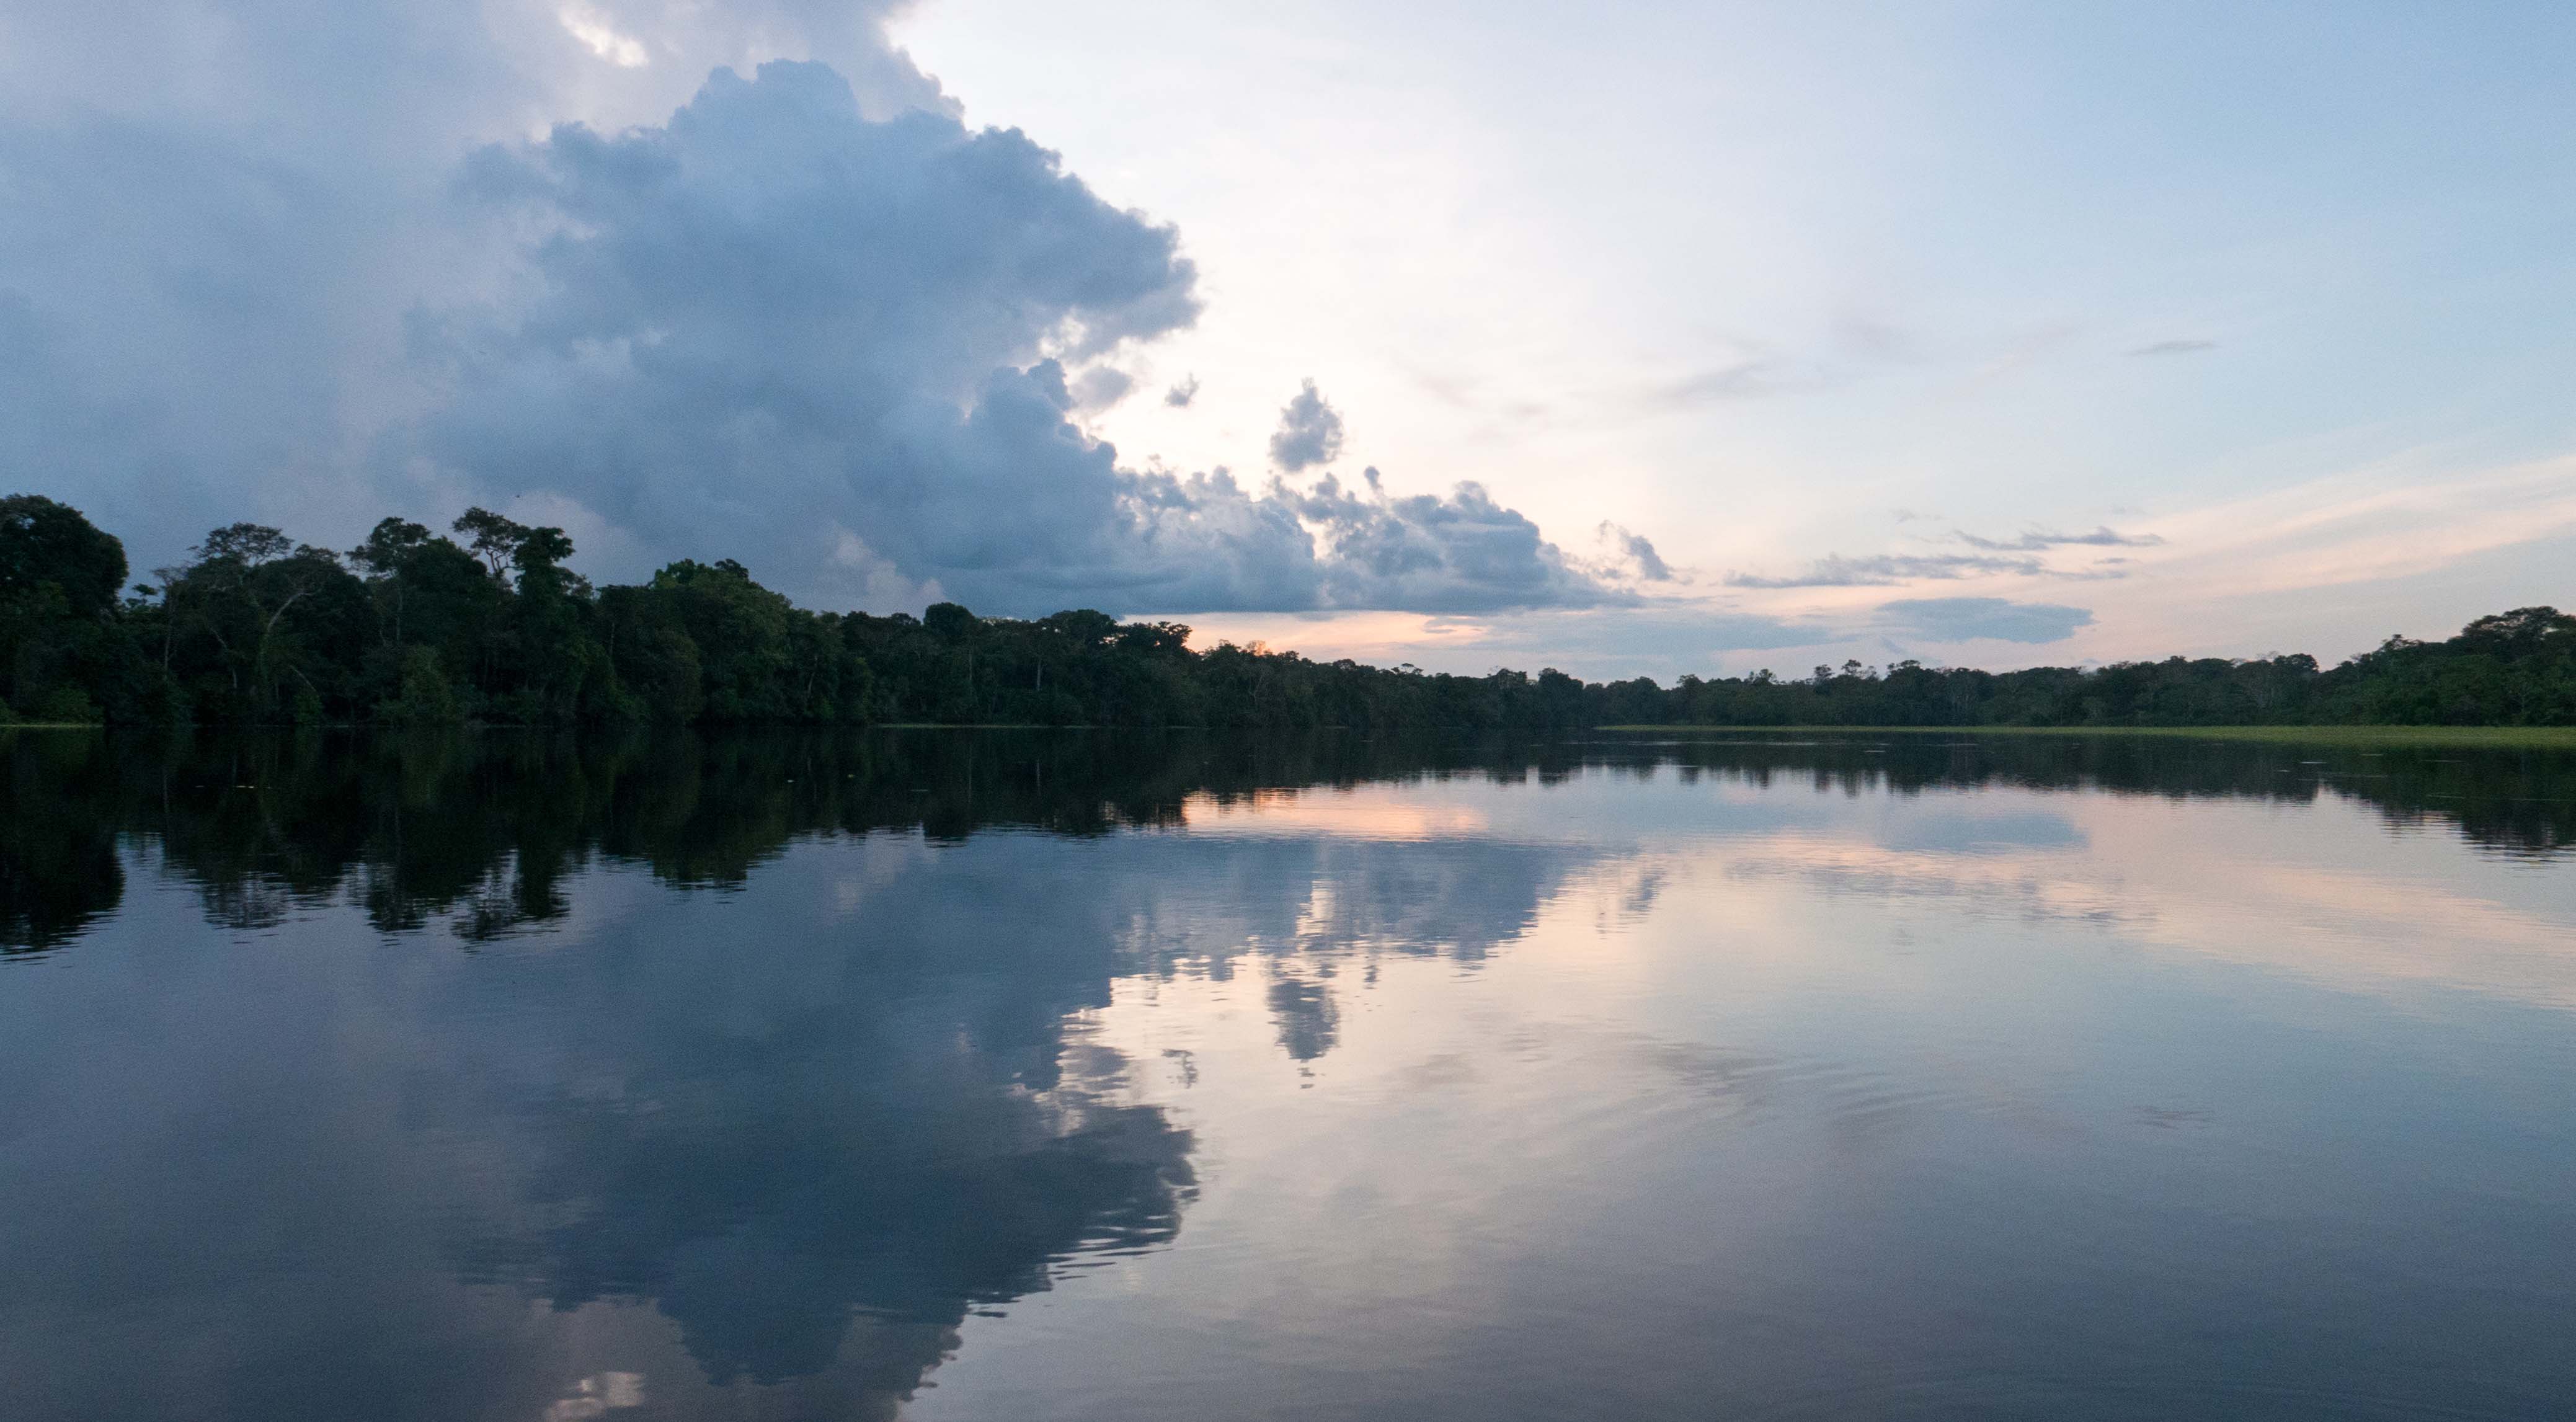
pixel 813 1141
pixel 478 830
pixel 819 1125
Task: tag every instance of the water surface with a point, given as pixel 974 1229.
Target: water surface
pixel 993 1075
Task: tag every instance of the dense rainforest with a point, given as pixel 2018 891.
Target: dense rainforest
pixel 485 623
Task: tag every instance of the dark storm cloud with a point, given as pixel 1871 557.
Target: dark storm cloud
pixel 213 220
pixel 808 320
pixel 1965 619
pixel 775 329
pixel 154 354
pixel 1309 434
pixel 771 323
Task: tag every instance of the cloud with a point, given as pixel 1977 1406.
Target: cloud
pixel 1995 557
pixel 218 224
pixel 593 29
pixel 1634 550
pixel 1743 379
pixel 1181 394
pixel 1310 433
pixel 772 327
pixel 1879 570
pixel 772 324
pixel 1967 619
pixel 1464 553
pixel 2171 348
pixel 801 315
pixel 2037 539
pixel 1101 387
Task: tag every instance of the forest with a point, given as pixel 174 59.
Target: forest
pixel 485 624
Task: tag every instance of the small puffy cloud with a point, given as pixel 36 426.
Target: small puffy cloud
pixel 2038 539
pixel 1182 393
pixel 1969 619
pixel 1635 551
pixel 1310 433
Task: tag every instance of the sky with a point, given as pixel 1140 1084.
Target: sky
pixel 1629 338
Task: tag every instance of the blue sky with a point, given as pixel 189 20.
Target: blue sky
pixel 1639 338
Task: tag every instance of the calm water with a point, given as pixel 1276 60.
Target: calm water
pixel 977 1075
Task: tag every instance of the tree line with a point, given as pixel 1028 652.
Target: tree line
pixel 484 623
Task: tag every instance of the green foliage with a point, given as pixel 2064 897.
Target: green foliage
pixel 424 695
pixel 66 706
pixel 60 639
pixel 418 628
pixel 43 543
pixel 257 627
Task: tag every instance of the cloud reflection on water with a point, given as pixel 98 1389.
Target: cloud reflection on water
pixel 776 1064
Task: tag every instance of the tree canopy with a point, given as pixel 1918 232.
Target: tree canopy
pixel 487 623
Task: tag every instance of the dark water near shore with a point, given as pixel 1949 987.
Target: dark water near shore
pixel 1034 1075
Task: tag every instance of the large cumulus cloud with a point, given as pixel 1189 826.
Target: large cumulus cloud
pixel 775 329
pixel 311 269
pixel 837 348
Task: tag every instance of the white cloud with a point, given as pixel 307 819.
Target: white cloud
pixel 592 29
